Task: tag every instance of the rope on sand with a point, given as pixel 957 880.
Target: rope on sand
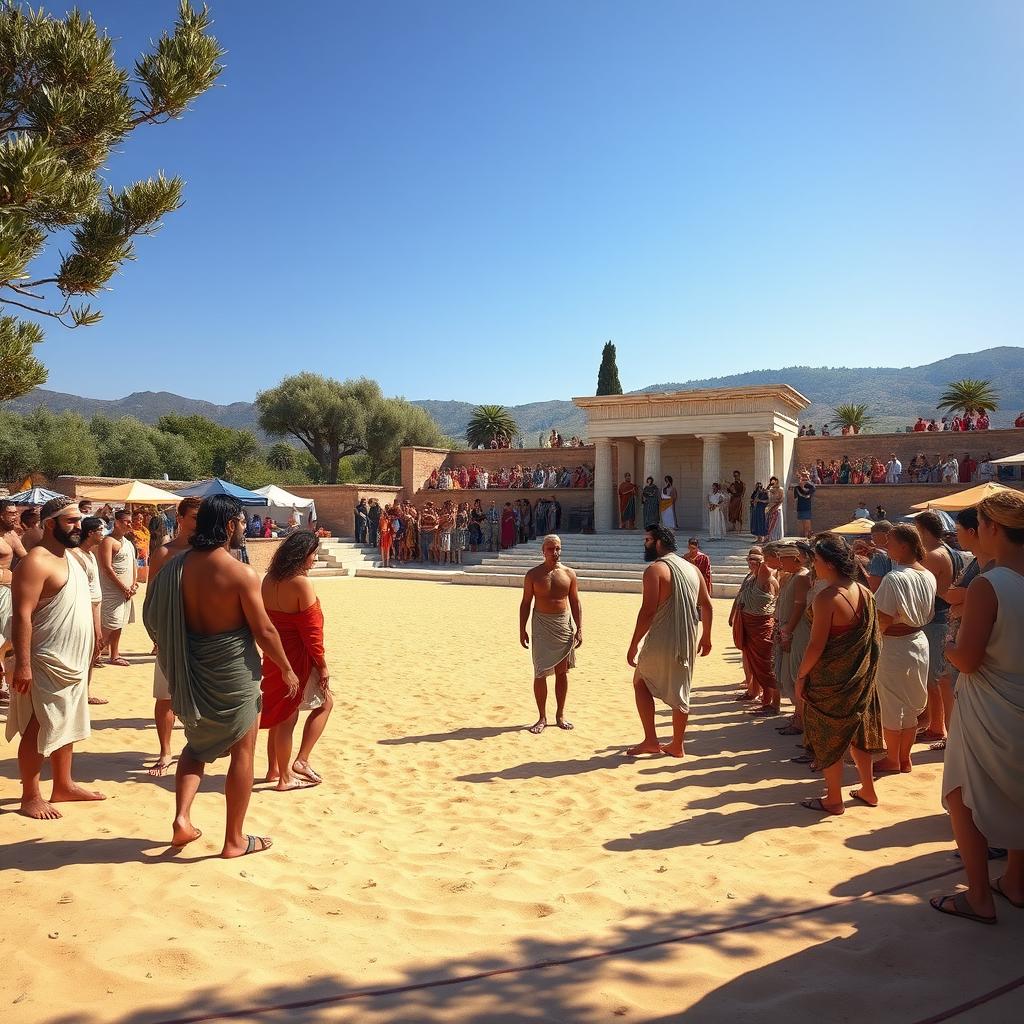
pixel 462 979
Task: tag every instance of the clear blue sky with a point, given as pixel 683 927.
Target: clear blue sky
pixel 465 200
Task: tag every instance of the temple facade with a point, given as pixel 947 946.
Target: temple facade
pixel 696 437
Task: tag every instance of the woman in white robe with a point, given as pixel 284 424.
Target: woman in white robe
pixel 983 776
pixel 669 494
pixel 905 600
pixel 716 516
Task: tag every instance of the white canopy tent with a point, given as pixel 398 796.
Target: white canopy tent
pixel 281 504
pixel 1010 460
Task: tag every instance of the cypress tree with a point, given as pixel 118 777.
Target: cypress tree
pixel 608 375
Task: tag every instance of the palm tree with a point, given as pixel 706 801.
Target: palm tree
pixel 488 422
pixel 281 456
pixel 850 415
pixel 966 394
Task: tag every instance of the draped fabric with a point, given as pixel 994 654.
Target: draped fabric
pixel 840 699
pixel 117 611
pixel 302 636
pixel 627 502
pixel 736 491
pixel 651 499
pixel 214 681
pixel 552 641
pixel 669 650
pixel 62 649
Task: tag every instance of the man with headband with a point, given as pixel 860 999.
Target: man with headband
pixel 53 648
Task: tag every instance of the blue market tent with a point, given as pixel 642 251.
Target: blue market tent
pixel 205 488
pixel 948 523
pixel 35 496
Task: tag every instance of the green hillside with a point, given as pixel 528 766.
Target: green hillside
pixel 894 396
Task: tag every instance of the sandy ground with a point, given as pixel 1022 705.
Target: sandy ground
pixel 448 842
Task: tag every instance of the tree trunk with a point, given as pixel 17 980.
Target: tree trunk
pixel 332 464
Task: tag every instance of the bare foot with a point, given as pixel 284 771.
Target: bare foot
pixel 272 777
pixel 644 748
pixel 39 809
pixel 73 793
pixel 307 771
pixel 253 844
pixel 563 724
pixel 538 727
pixel 93 699
pixel 161 766
pixel 184 832
pixel 667 748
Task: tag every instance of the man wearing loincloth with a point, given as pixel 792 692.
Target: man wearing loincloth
pixel 205 613
pixel 119 568
pixel 163 713
pixel 551 589
pixel 675 601
pixel 54 642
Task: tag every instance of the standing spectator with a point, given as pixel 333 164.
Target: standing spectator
pixel 879 563
pixel 460 536
pixel 362 523
pixel 880 513
pixel 804 493
pixel 428 532
pixel 893 469
pixel 373 514
pixel 967 469
pixel 700 560
pixel 986 471
pixel 983 777
pixel 950 470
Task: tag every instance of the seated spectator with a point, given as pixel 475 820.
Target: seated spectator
pixel 920 424
pixel 1019 421
pixel 825 430
pixel 983 421
pixel 861 512
pixel 876 472
pixel 433 480
pixel 932 425
pixel 810 430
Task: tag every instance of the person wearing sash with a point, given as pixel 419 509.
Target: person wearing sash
pixel 295 611
pixel 205 613
pixel 667 504
pixel 836 679
pixel 627 503
pixel 54 641
pixel 675 602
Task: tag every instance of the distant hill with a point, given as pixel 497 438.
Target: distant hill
pixel 894 396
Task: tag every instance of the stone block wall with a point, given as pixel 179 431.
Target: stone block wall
pixel 419 463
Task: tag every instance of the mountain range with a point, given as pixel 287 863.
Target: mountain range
pixel 894 396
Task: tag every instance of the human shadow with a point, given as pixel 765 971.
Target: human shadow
pixel 550 769
pixel 483 732
pixel 934 828
pixel 40 854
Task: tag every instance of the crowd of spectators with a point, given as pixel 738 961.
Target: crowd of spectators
pixel 539 477
pixel 946 469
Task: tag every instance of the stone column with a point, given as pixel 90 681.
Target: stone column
pixel 652 460
pixel 763 456
pixel 711 469
pixel 604 487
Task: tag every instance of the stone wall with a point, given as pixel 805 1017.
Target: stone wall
pixel 79 486
pixel 419 463
pixel 335 503
pixel 261 552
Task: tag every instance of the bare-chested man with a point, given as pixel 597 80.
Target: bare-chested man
pixel 163 714
pixel 53 647
pixel 205 613
pixel 675 601
pixel 119 570
pixel 552 591
pixel 11 547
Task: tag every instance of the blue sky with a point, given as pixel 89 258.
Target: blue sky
pixel 465 200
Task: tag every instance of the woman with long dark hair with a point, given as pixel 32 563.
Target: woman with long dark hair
pixel 294 609
pixel 836 677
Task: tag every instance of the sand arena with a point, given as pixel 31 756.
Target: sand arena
pixel 448 843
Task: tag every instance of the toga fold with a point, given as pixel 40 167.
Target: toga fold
pixel 62 649
pixel 214 681
pixel 117 611
pixel 670 647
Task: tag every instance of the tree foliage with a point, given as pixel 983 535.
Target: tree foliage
pixel 65 105
pixel 850 414
pixel 65 443
pixel 969 393
pixel 19 454
pixel 335 419
pixel 608 374
pixel 488 423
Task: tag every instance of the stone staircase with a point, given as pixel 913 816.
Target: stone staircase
pixel 609 562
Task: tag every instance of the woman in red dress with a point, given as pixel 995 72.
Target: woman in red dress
pixel 508 526
pixel 295 611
